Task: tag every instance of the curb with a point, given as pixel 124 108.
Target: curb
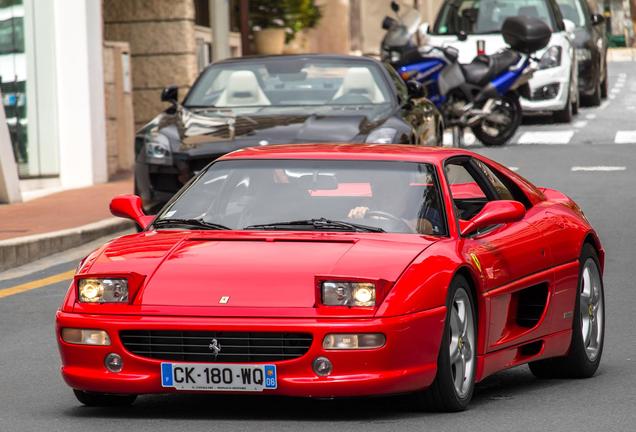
pixel 23 250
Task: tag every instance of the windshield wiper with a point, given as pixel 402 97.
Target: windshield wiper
pixel 197 223
pixel 321 223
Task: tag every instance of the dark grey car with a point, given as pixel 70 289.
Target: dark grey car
pixel 590 43
pixel 256 101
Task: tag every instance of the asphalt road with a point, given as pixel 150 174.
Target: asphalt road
pixel 591 168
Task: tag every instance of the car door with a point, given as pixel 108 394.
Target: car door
pixel 509 257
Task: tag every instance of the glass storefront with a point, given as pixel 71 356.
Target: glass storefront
pixel 36 156
pixel 13 78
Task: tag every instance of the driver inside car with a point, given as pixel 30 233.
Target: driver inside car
pixel 397 198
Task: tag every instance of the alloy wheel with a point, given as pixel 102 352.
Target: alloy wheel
pixel 591 308
pixel 462 342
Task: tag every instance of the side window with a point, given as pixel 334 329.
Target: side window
pixel 503 192
pixel 505 188
pixel 469 197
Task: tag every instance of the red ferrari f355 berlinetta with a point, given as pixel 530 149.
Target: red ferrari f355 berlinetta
pixel 337 270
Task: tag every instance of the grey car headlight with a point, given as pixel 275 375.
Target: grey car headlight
pixel 381 136
pixel 583 54
pixel 158 149
pixel 551 58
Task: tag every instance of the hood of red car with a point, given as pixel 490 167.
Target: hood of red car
pixel 248 270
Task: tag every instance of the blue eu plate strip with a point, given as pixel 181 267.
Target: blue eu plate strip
pixel 166 375
pixel 270 376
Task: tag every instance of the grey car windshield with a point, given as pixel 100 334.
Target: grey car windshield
pixel 269 83
pixel 487 16
pixel 323 195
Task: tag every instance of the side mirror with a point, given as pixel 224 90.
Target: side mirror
pixel 570 27
pixel 395 7
pixel 170 94
pixel 494 213
pixel 597 19
pixel 129 207
pixel 416 89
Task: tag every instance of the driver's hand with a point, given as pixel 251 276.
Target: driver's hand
pixel 358 212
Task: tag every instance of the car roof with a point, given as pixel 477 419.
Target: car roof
pixel 388 152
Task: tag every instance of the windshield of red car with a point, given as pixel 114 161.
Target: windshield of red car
pixel 399 197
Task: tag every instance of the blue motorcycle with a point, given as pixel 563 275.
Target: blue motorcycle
pixel 482 95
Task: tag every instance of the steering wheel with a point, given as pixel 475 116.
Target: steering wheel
pixel 386 215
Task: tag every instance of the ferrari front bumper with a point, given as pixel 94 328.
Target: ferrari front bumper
pixel 407 362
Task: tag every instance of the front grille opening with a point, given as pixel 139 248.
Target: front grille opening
pixel 199 346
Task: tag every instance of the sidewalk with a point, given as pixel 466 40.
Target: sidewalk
pixel 621 54
pixel 57 222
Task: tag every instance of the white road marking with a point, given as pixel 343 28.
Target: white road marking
pixel 616 90
pixel 625 137
pixel 619 85
pixel 580 124
pixel 598 168
pixel 590 116
pixel 469 139
pixel 546 137
pixel 604 105
pixel 612 96
pixel 631 107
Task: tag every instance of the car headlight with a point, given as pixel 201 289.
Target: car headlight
pixel 103 290
pixel 381 136
pixel 551 58
pixel 158 149
pixel 337 293
pixel 583 54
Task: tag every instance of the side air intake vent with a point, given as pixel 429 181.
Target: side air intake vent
pixel 531 304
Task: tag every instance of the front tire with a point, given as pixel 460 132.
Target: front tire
pixel 604 83
pixel 595 98
pixel 454 384
pixel 508 116
pixel 588 326
pixel 103 400
pixel 564 115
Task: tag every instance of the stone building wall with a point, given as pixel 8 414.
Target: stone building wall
pixel 161 34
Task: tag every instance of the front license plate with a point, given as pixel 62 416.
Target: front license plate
pixel 218 377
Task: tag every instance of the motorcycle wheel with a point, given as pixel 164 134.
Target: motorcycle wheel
pixel 499 127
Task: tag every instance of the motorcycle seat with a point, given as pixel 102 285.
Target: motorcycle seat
pixel 484 68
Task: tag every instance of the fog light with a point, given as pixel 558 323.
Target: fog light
pixel 114 362
pixel 353 341
pixel 85 336
pixel 322 366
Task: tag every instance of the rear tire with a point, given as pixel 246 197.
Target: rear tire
pixel 584 355
pixel 454 384
pixel 512 110
pixel 103 400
